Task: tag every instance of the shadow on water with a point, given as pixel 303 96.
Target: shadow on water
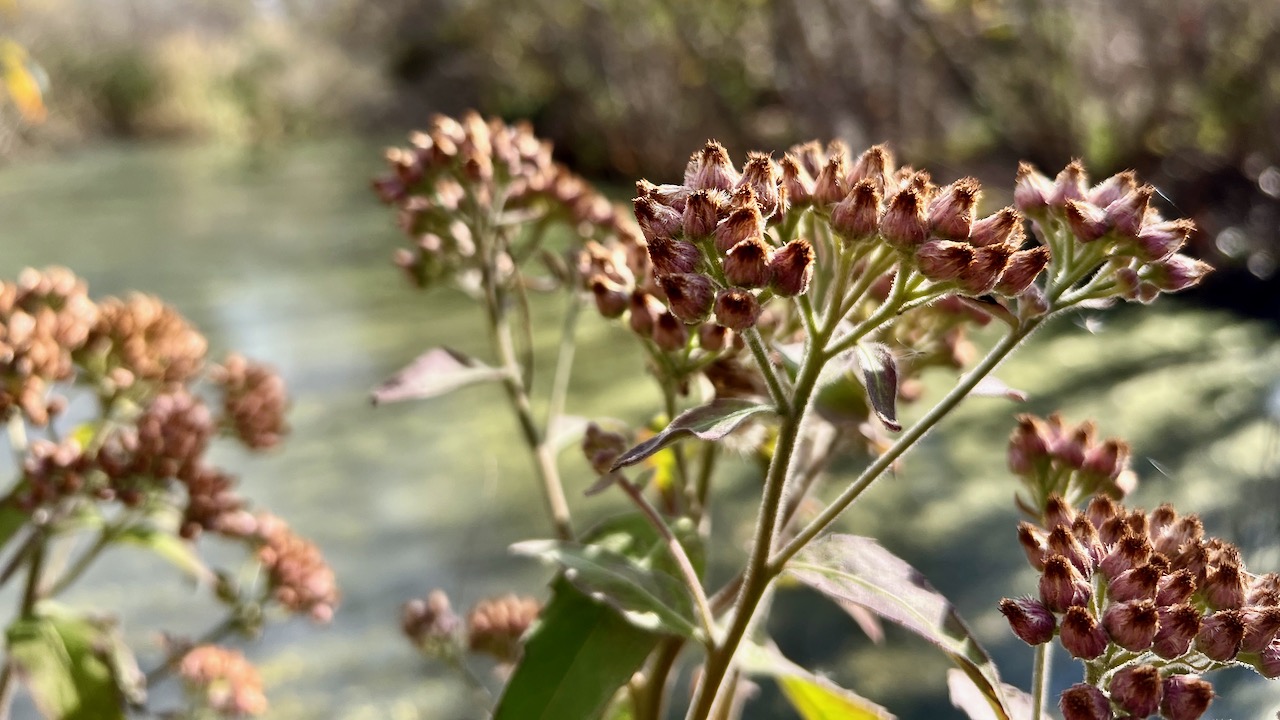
pixel 284 257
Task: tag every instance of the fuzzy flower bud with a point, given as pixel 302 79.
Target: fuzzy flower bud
pixel 1062 586
pixel 495 627
pixel 1135 584
pixel 1062 542
pixel 1084 702
pixel 981 276
pixel 1225 586
pixel 1082 635
pixel 1138 690
pixel 689 295
pixel 1221 635
pixel 673 257
pixel 875 166
pixel 1186 697
pixel 796 184
pixel 1126 214
pixel 951 212
pixel 645 310
pixel 904 224
pixel 656 220
pixel 223 681
pixel 857 216
pixel 792 267
pixel 1132 625
pixel 1032 539
pixel 1176 587
pixel 742 224
pixel 1179 625
pixel 1157 241
pixel 747 264
pixel 1033 190
pixel 710 169
pixel 1003 227
pixel 1030 619
pixel 1027 445
pixel 669 333
pixel 736 309
pixel 1106 459
pixel 829 187
pixel 1268 665
pixel 761 176
pixel 1261 625
pixel 944 260
pixel 713 337
pixel 611 299
pixel 1023 268
pixel 1175 273
pixel 1069 185
pixel 700 215
pixel 1087 222
pixel 1113 188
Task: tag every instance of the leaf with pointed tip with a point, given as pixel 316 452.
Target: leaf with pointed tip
pixel 436 372
pixel 712 422
pixel 57 659
pixel 967 697
pixel 575 658
pixel 878 370
pixel 813 697
pixel 651 599
pixel 858 570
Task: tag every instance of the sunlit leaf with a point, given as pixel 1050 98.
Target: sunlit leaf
pixel 712 421
pixel 57 659
pixel 649 599
pixel 575 658
pixel 878 370
pixel 858 570
pixel 812 697
pixel 968 697
pixel 436 372
pixel 24 81
pixel 170 547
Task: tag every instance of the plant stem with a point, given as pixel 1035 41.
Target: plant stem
pixel 908 440
pixel 776 393
pixel 651 700
pixel 30 596
pixel 1040 678
pixel 214 634
pixel 678 554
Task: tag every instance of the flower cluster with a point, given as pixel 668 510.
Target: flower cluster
pixel 1148 602
pixel 494 626
pixel 300 578
pixel 140 339
pixel 1052 457
pixel 473 167
pixel 253 401
pixel 431 625
pixel 1111 221
pixel 222 680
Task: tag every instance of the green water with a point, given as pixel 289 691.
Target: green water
pixel 284 257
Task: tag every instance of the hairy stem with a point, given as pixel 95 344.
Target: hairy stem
pixel 1040 678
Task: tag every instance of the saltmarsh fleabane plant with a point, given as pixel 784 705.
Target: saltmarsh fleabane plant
pixel 784 308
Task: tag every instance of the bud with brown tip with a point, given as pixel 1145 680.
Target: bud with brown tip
pixel 742 224
pixel 760 174
pixel 611 298
pixel 1159 240
pixel 1030 619
pixel 1137 689
pixel 874 165
pixel 857 216
pixel 1032 192
pixel 1069 185
pixel 1186 697
pixel 1126 214
pixel 1132 625
pixel 669 333
pixel 710 169
pixel 673 257
pixel 713 337
pixel 655 219
pixel 747 264
pixel 796 184
pixel 951 213
pixel 1062 586
pixel 829 187
pixel 700 215
pixel 1084 702
pixel 981 276
pixel 736 309
pixel 904 224
pixel 645 310
pixel 1261 626
pixel 1176 273
pixel 1087 222
pixel 792 267
pixel 689 295
pixel 1023 268
pixel 1221 635
pixel 944 260
pixel 1003 227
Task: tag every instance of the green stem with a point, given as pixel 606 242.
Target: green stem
pixel 651 697
pixel 903 444
pixel 82 563
pixel 564 361
pixel 1040 678
pixel 776 393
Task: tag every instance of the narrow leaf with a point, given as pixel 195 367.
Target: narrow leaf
pixel 967 697
pixel 712 421
pixel 649 599
pixel 57 660
pixel 878 370
pixel 576 657
pixel 170 547
pixel 812 697
pixel 858 570
pixel 436 372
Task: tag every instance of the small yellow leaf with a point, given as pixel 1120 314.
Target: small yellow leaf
pixel 22 80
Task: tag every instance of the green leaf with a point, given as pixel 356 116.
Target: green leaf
pixel 813 697
pixel 651 599
pixel 12 519
pixel 878 370
pixel 575 658
pixel 852 569
pixel 170 547
pixel 436 372
pixel 709 422
pixel 57 658
pixel 970 698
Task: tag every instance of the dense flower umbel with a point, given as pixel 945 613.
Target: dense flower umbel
pixel 431 625
pixel 223 681
pixel 1053 457
pixel 497 626
pixel 1141 598
pixel 300 578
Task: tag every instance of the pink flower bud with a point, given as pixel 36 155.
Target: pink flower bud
pixel 742 224
pixel 1178 627
pixel 1084 702
pixel 611 298
pixel 1225 586
pixel 1033 542
pixel 747 264
pixel 1125 215
pixel 1175 273
pixel 1261 625
pixel 645 310
pixel 1061 585
pixel 1172 538
pixel 713 337
pixel 1137 689
pixel 1135 584
pixel 1033 190
pixel 736 309
pixel 904 224
pixel 1087 222
pixel 1069 185
pixel 981 276
pixel 1264 590
pixel 1268 664
pixel 1157 241
pixel 1107 459
pixel 1087 534
pixel 689 296
pixel 1129 552
pixel 710 169
pixel 875 165
pixel 1024 266
pixel 1031 621
pixel 829 187
pixel 1101 509
pixel 1027 446
pixel 1062 542
pixel 1221 635
pixel 1081 635
pixel 856 217
pixel 673 196
pixel 1186 697
pixel 1174 588
pixel 792 267
pixel 669 333
pixel 797 184
pixel 943 260
pixel 1132 625
pixel 700 216
pixel 1113 188
pixel 673 257
pixel 951 212
pixel 1057 511
pixel 760 174
pixel 655 219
